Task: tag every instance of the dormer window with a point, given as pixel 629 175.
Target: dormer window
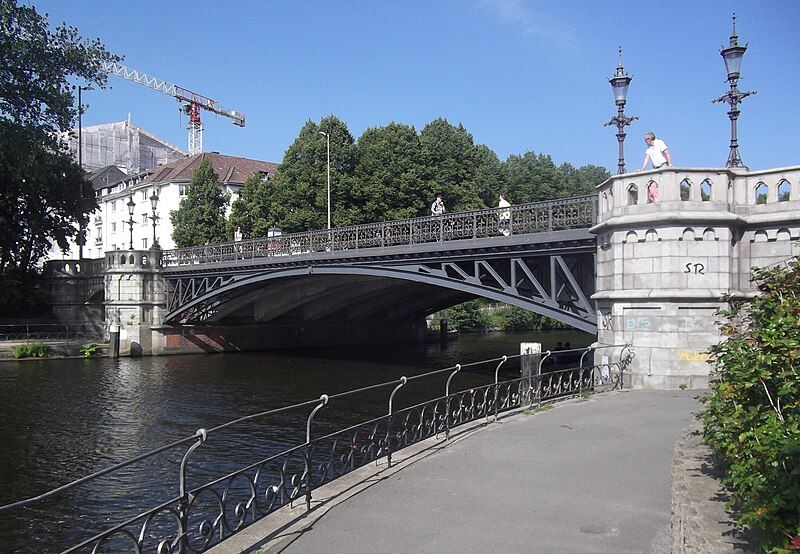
pixel 263 175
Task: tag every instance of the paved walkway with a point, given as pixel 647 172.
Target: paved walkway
pixel 585 476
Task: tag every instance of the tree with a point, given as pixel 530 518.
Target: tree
pixel 388 175
pixel 532 177
pixel 489 175
pixel 200 217
pixel 250 210
pixel 40 201
pixel 752 411
pixel 298 199
pixel 584 179
pixel 450 165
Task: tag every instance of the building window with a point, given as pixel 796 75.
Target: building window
pixel 784 191
pixel 144 195
pixel 113 227
pixel 761 193
pixel 181 190
pixel 144 244
pixel 113 205
pixel 144 220
pixel 705 190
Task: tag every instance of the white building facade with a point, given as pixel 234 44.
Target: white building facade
pixel 109 226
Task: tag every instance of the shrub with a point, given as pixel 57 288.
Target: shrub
pixel 467 316
pixel 90 349
pixel 752 411
pixel 31 350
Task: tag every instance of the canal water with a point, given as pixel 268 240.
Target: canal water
pixel 63 419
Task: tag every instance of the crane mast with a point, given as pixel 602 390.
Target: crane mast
pixel 193 102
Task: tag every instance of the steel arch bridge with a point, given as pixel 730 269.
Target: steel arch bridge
pixel 396 270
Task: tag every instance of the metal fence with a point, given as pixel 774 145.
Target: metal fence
pixel 536 217
pixel 48 331
pixel 202 517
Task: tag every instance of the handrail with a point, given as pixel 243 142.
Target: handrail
pixel 548 215
pixel 551 385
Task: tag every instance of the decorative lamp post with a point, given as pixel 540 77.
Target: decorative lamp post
pixel 328 142
pixel 732 55
pixel 619 84
pixel 131 206
pixel 154 217
pixel 81 238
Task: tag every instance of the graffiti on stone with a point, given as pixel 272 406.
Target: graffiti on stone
pixel 692 356
pixel 638 323
pixel 696 269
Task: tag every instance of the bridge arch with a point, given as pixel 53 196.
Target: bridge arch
pixel 568 304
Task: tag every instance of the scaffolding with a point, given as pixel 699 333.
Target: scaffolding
pixel 122 144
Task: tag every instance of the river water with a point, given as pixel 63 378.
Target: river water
pixel 63 419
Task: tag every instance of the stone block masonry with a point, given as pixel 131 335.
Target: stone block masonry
pixel 664 266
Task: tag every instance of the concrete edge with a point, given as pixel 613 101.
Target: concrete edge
pixel 276 531
pixel 700 522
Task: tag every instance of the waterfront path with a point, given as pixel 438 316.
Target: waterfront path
pixel 585 476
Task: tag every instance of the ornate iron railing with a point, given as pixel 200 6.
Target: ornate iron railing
pixel 536 217
pixel 201 517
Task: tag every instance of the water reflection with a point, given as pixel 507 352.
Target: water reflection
pixel 62 419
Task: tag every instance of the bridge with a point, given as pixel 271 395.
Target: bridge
pixel 648 260
pixel 395 270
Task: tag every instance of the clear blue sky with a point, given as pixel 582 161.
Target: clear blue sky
pixel 520 75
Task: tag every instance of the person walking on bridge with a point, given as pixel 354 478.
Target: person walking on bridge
pixel 437 208
pixel 657 152
pixel 505 215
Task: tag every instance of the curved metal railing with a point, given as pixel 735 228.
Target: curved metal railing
pixel 535 217
pixel 201 517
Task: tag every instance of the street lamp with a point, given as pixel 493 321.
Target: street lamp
pixel 154 217
pixel 80 164
pixel 131 206
pixel 732 55
pixel 328 142
pixel 619 85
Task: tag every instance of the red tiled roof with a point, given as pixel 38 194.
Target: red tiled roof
pixel 230 169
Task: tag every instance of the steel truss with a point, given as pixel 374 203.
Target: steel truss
pixel 557 285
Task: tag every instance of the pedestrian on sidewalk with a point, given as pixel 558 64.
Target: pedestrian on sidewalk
pixel 657 152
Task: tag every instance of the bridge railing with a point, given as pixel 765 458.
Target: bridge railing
pixel 47 331
pixel 201 517
pixel 535 217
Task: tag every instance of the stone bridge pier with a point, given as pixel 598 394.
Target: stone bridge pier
pixel 671 244
pixel 135 295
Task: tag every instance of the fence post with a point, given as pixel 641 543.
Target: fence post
pixel 323 400
pixel 496 387
pixel 530 364
pixel 550 217
pixel 447 402
pixel 403 381
pixel 183 514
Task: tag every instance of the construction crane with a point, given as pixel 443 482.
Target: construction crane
pixel 193 101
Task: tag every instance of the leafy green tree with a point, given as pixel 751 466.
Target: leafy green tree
pixel 298 199
pixel 200 217
pixel 388 175
pixel 40 203
pixel 450 164
pixel 532 177
pixel 752 411
pixel 468 316
pixel 251 209
pixel 583 180
pixel 489 175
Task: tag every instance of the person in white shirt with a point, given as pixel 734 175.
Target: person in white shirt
pixel 505 215
pixel 657 152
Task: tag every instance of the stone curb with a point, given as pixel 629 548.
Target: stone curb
pixel 700 521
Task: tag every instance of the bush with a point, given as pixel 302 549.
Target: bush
pixel 31 350
pixel 90 349
pixel 752 411
pixel 467 316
